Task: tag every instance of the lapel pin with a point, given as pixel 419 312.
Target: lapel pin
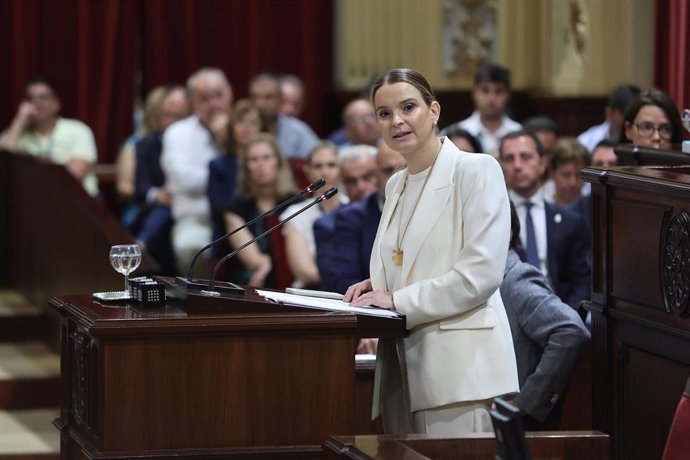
pixel 557 218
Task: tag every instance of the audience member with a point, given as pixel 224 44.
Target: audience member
pixel 568 158
pixel 294 137
pixel 357 165
pixel 555 238
pixel 38 129
pixel 547 334
pixel 491 94
pixel 125 163
pixel 545 129
pixel 652 120
pixel 188 147
pixel 151 191
pixel 360 123
pixel 463 140
pixel 356 225
pixel 612 126
pixel 292 89
pixel 603 155
pixel 322 163
pixel 265 181
pixel 244 124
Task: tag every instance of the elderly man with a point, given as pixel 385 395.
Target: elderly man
pixel 295 137
pixel 292 89
pixel 359 177
pixel 188 147
pixel 356 225
pixel 38 129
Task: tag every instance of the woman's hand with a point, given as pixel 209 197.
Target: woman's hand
pixel 367 346
pixel 357 290
pixel 381 299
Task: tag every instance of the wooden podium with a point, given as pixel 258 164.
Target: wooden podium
pixel 640 303
pixel 162 383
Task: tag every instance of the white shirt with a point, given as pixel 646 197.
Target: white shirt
pixel 538 212
pixel 69 140
pixel 490 140
pixel 404 210
pixel 594 135
pixel 188 148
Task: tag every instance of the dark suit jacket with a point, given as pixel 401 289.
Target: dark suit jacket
pixel 567 256
pixel 353 238
pixel 148 171
pixel 547 335
pixel 222 178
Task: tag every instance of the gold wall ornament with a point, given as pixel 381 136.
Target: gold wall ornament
pixel 469 35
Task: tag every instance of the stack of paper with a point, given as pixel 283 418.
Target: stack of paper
pixel 325 304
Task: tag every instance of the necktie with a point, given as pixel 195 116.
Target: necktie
pixel 532 254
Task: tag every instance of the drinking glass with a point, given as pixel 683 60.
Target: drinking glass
pixel 125 258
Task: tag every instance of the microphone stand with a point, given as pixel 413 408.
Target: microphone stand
pixel 211 292
pixel 190 283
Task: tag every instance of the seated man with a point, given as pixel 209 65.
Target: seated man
pixel 611 128
pixel 295 137
pixel 292 89
pixel 547 334
pixel 356 225
pixel 491 94
pixel 188 147
pixel 38 129
pixel 360 123
pixel 555 238
pixel 357 165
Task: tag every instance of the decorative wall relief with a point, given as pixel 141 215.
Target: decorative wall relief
pixel 675 276
pixel 469 35
pixel 80 345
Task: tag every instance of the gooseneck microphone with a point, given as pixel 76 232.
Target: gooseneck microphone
pixel 317 184
pixel 211 287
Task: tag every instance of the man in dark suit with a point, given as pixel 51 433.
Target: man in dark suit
pixel 357 166
pixel 354 230
pixel 555 239
pixel 547 336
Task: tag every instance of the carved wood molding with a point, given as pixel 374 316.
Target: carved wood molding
pixel 675 273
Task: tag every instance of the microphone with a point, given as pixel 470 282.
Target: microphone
pixel 317 184
pixel 330 193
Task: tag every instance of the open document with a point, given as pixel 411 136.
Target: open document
pixel 326 304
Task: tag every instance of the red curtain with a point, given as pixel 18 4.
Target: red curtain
pixel 93 50
pixel 672 65
pixel 88 48
pixel 242 38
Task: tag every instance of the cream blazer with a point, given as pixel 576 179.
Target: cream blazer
pixel 459 346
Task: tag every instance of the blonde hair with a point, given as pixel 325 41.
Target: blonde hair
pixel 285 184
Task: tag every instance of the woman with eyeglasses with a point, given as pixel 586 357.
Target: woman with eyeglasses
pixel 652 120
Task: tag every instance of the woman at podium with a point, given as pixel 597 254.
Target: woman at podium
pixel 438 258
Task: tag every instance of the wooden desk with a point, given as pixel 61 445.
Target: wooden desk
pixel 161 383
pixel 590 445
pixel 640 303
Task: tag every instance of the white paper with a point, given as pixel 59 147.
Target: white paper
pixel 326 304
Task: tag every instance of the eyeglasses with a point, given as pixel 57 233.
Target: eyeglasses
pixel 646 129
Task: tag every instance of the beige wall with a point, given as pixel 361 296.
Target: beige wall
pixel 559 47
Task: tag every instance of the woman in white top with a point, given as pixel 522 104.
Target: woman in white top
pixel 300 248
pixel 438 258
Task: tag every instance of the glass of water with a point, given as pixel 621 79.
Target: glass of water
pixel 125 258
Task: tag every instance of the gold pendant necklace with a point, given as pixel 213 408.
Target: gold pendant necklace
pixel 398 254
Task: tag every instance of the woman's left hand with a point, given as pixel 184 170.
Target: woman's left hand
pixel 378 298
